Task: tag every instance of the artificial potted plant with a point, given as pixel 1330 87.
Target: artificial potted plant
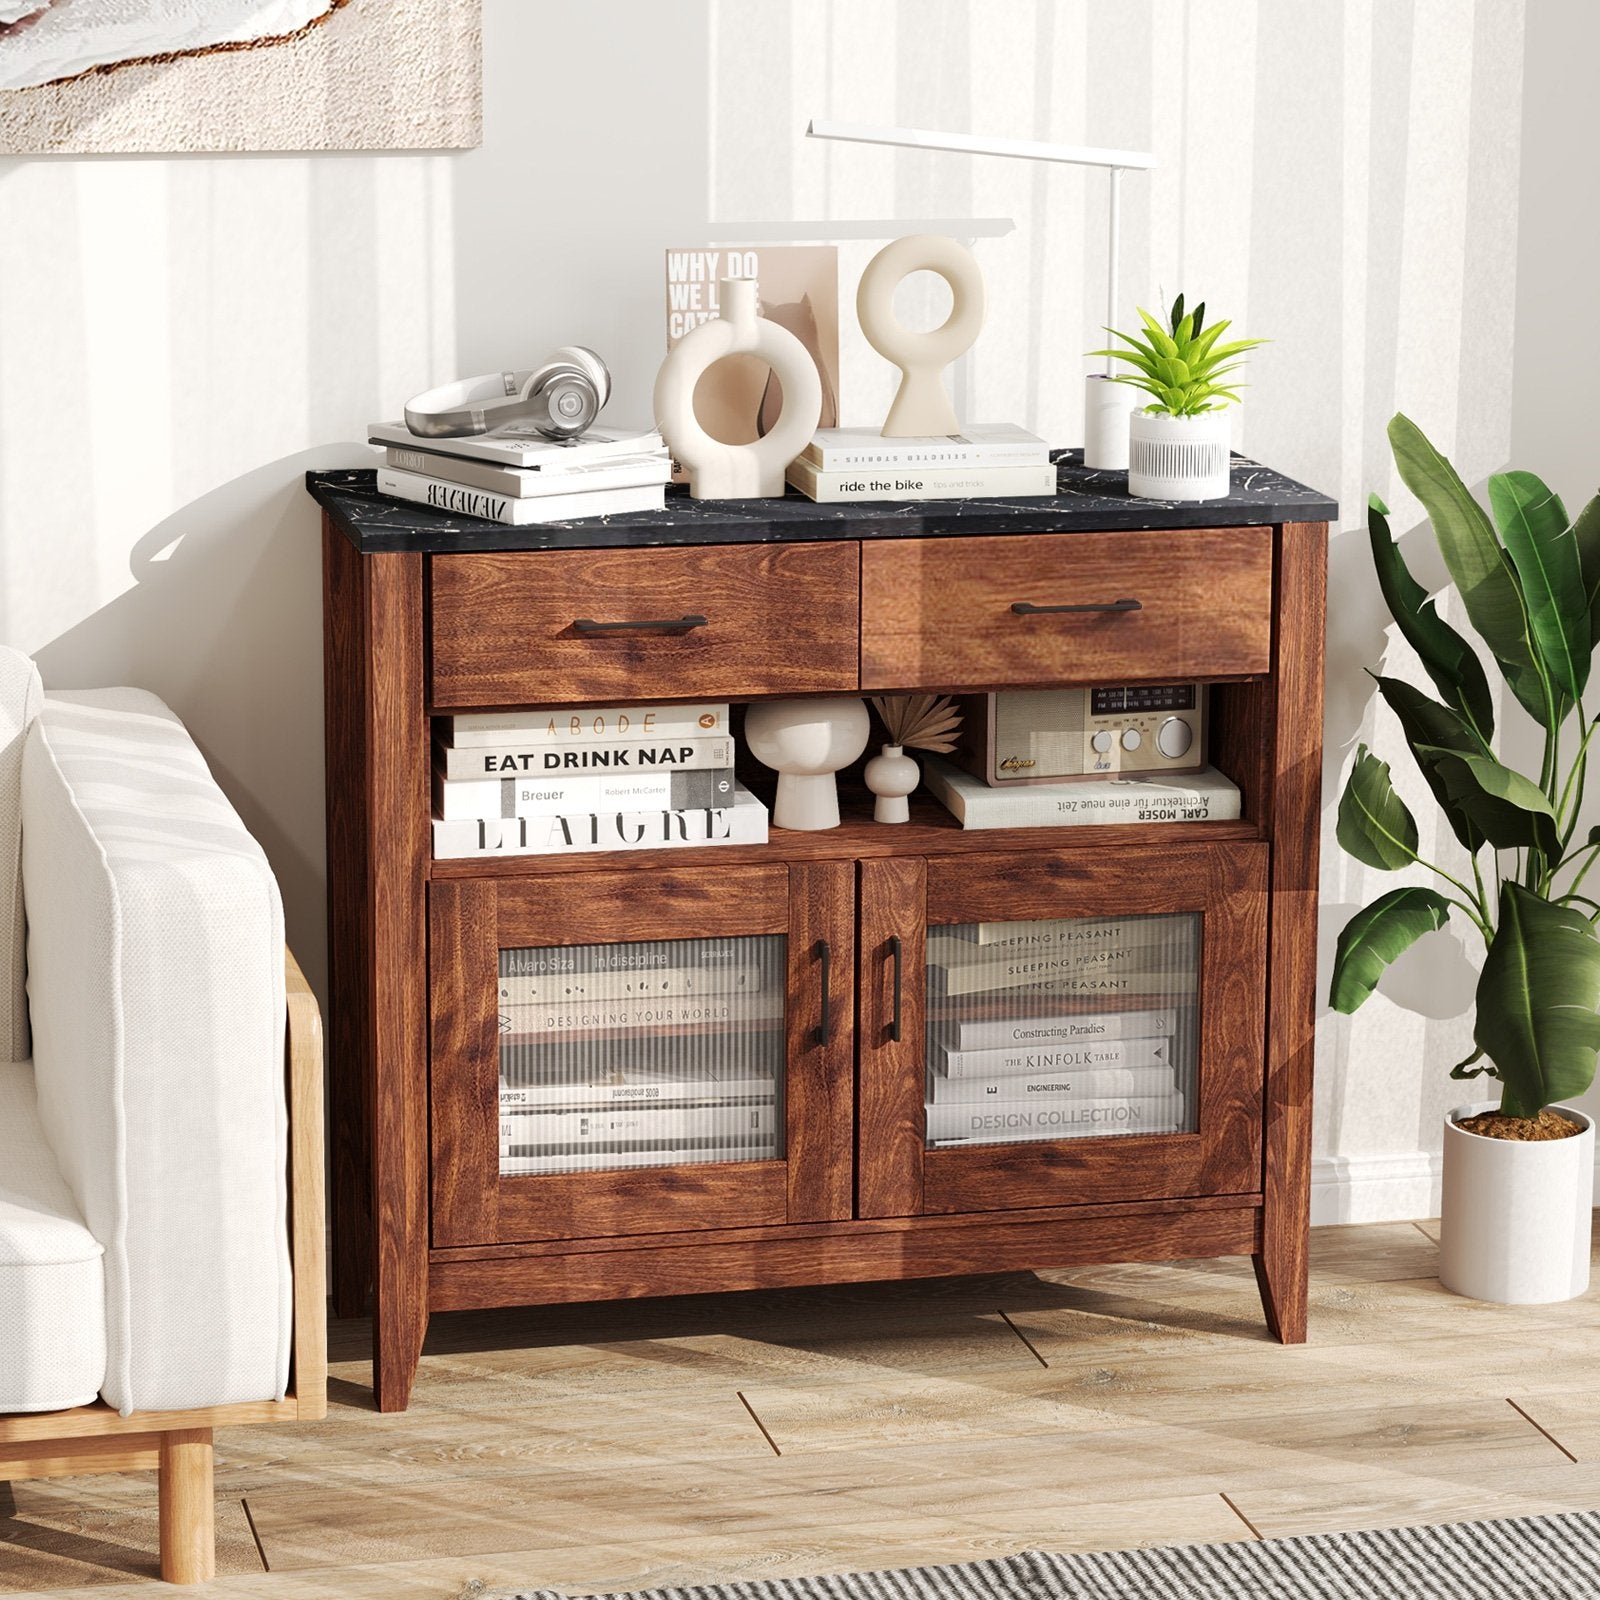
pixel 1518 1175
pixel 1178 443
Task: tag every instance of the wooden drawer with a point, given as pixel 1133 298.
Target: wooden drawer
pixel 940 612
pixel 777 619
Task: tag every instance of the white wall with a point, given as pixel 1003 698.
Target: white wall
pixel 181 339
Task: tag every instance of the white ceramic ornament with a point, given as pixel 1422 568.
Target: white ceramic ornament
pixel 891 775
pixel 805 742
pixel 1107 406
pixel 720 471
pixel 921 407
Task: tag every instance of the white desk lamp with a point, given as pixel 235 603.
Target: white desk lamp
pixel 1106 403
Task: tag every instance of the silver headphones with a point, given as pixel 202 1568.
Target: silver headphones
pixel 559 399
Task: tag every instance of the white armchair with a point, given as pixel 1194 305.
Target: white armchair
pixel 161 1213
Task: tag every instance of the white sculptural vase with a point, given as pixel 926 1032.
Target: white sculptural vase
pixel 921 406
pixel 719 471
pixel 806 742
pixel 891 775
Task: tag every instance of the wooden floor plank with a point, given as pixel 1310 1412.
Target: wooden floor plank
pixel 916 1426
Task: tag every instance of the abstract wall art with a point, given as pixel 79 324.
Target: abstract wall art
pixel 149 76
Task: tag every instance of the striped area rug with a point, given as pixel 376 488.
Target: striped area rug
pixel 1525 1558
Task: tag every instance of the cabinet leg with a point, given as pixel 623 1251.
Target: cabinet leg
pixel 1283 1283
pixel 397 1335
pixel 188 1534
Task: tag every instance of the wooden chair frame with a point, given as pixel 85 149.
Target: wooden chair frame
pixel 178 1444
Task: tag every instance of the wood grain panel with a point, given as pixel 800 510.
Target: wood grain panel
pixel 67 1458
pixel 821 1048
pixel 463 957
pixel 378 873
pixel 845 1257
pixel 643 1200
pixel 779 619
pixel 308 1215
pixel 1281 1267
pixel 890 1077
pixel 345 734
pixel 937 613
pixel 651 901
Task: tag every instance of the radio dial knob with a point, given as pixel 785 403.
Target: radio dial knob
pixel 1174 737
pixel 1132 739
pixel 1101 742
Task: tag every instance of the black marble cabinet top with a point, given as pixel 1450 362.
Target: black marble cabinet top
pixel 1084 500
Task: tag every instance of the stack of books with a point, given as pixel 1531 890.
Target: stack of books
pixel 1203 796
pixel 1059 1030
pixel 515 475
pixel 545 782
pixel 987 461
pixel 640 1055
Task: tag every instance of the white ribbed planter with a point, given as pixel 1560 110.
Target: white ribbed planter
pixel 1515 1218
pixel 1178 458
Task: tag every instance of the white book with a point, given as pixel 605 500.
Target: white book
pixel 609 756
pixel 975 969
pixel 455 798
pixel 979 443
pixel 578 1017
pixel 1106 1083
pixel 669 1156
pixel 636 1124
pixel 522 445
pixel 743 822
pixel 527 729
pixel 1063 932
pixel 921 483
pixel 459 501
pixel 661 983
pixel 996 1121
pixel 624 1085
pixel 1032 1060
pixel 1204 796
pixel 527 483
pixel 988 1034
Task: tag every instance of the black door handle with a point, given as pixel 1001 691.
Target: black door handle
pixel 660 624
pixel 825 956
pixel 896 953
pixel 1025 608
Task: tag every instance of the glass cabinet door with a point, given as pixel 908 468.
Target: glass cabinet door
pixel 657 1053
pixel 1061 1028
pixel 586 1086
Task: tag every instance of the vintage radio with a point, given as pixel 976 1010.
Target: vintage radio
pixel 1057 735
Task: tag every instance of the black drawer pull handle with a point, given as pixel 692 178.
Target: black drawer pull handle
pixel 896 952
pixel 1024 608
pixel 825 956
pixel 664 624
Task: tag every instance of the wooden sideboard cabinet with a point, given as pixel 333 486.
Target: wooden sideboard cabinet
pixel 427 615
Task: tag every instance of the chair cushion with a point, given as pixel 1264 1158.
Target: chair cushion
pixel 52 1281
pixel 20 698
pixel 156 991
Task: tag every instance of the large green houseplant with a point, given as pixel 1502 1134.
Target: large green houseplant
pixel 1529 581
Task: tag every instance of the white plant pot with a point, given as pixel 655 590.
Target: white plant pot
pixel 1515 1219
pixel 1178 458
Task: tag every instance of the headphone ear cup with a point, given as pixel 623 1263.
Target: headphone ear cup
pixel 587 362
pixel 565 395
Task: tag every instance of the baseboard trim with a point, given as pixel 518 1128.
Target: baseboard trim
pixel 1394 1187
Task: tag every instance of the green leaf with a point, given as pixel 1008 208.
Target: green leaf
pixel 1374 824
pixel 1199 317
pixel 1460 1069
pixel 1586 531
pixel 1537 1002
pixel 1473 555
pixel 1533 526
pixel 1512 810
pixel 1177 312
pixel 1449 660
pixel 1427 723
pixel 1374 937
